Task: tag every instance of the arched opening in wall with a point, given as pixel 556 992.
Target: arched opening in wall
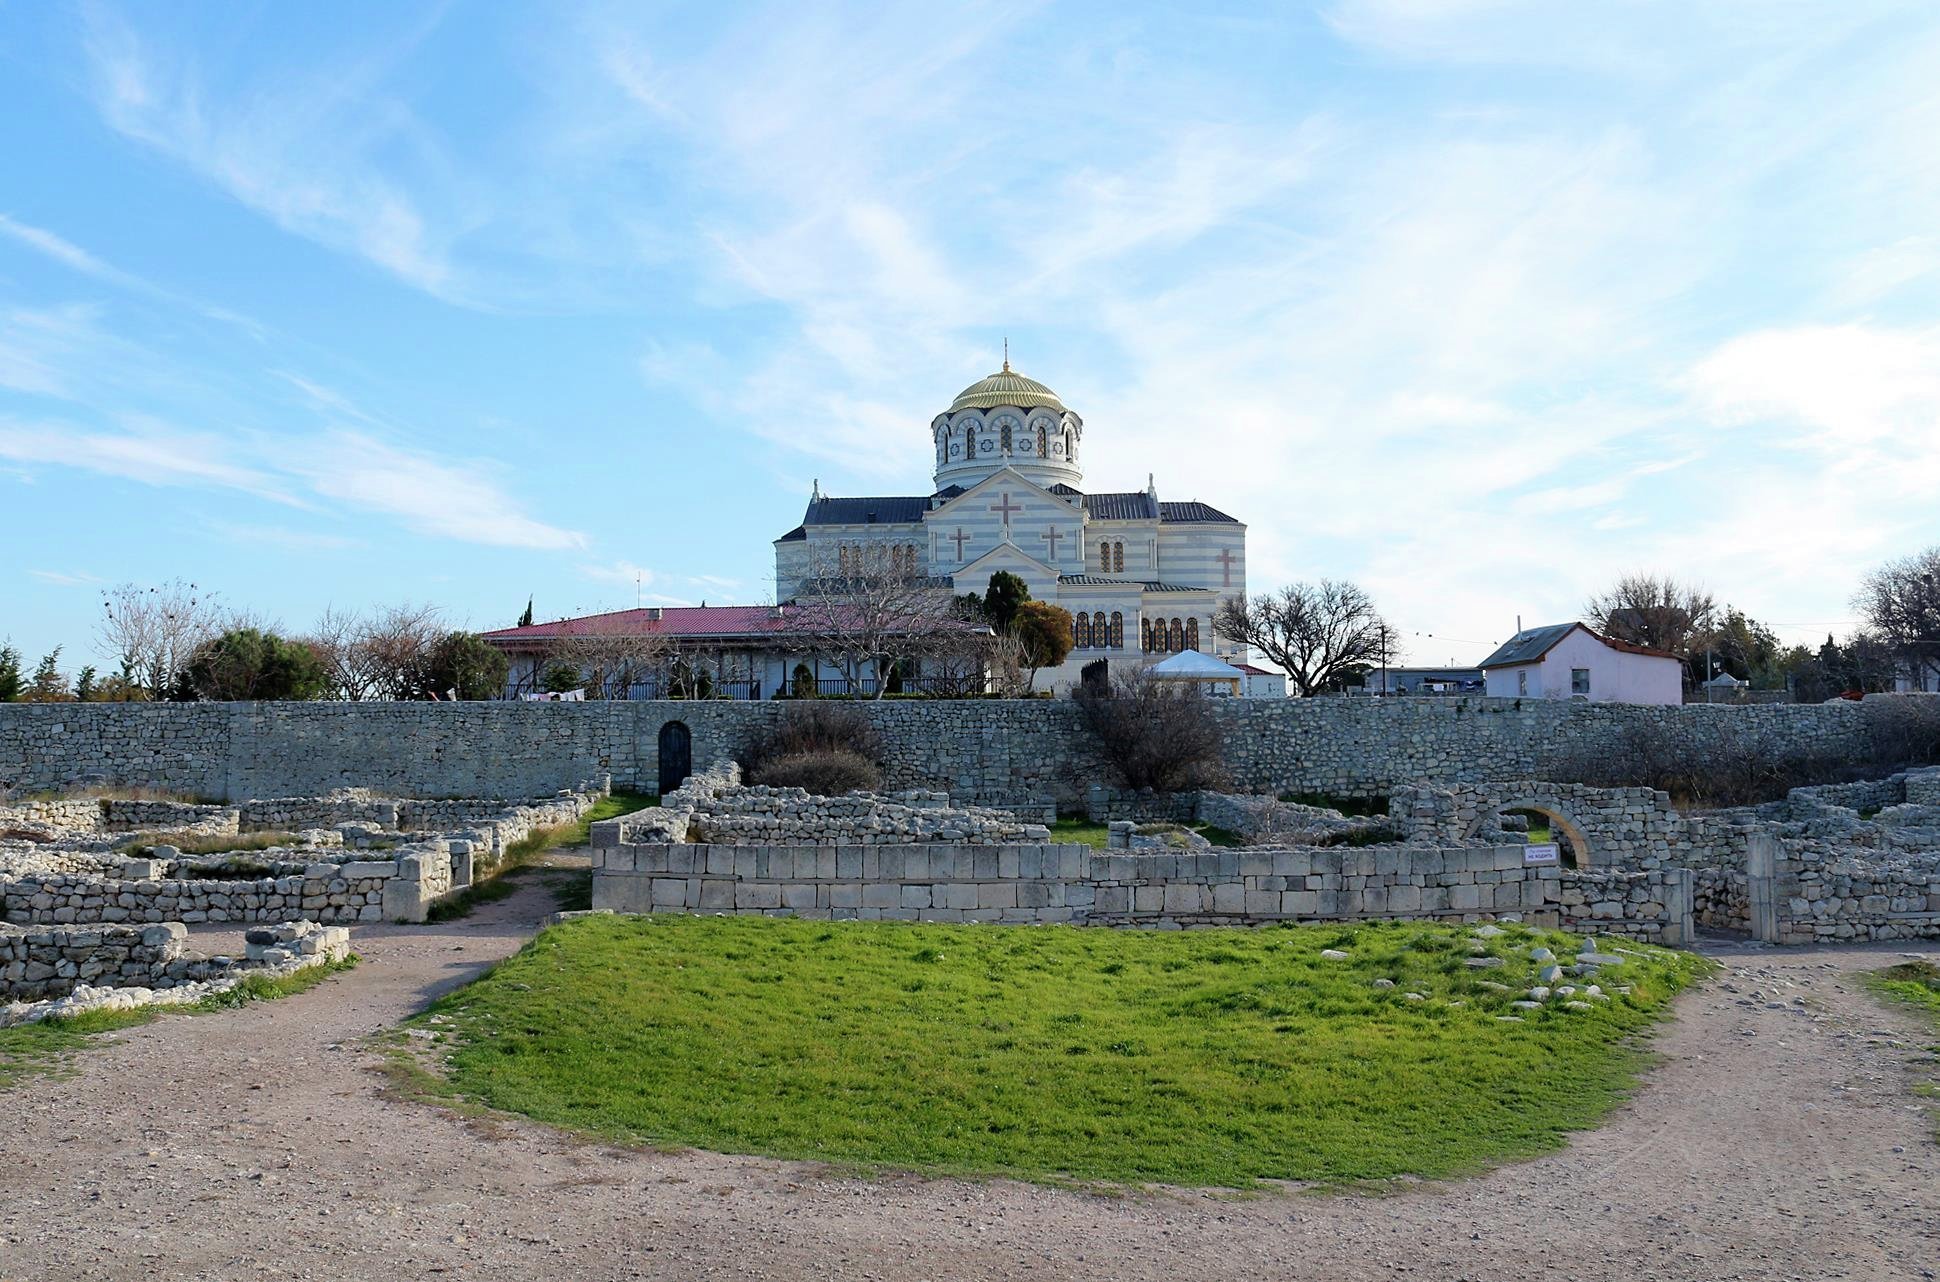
pixel 676 755
pixel 1537 825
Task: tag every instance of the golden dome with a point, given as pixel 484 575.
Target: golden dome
pixel 1005 387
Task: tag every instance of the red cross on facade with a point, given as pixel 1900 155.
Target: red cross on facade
pixel 1052 536
pixel 959 539
pixel 1225 559
pixel 1005 508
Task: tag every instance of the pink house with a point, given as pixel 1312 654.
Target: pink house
pixel 1569 661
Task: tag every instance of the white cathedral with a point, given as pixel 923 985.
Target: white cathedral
pixel 1141 576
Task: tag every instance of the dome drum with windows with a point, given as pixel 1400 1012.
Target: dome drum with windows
pixel 1007 420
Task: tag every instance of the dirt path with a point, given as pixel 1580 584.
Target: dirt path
pixel 1777 1140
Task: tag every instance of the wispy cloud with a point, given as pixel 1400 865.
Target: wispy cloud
pixel 65 579
pixel 296 148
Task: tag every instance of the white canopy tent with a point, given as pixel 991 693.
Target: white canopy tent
pixel 1217 677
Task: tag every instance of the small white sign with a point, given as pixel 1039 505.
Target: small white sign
pixel 1543 854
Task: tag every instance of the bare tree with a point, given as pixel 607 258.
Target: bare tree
pixel 1654 611
pixel 153 632
pixel 1901 601
pixel 381 655
pixel 1318 632
pixel 613 663
pixel 865 607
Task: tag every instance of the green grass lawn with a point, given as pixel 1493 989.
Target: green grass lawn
pixel 1206 1057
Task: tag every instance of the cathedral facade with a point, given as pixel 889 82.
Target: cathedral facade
pixel 1141 576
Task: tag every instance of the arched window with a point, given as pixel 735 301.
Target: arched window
pixel 1041 441
pixel 969 440
pixel 1005 441
pixel 1070 448
pixel 1099 637
pixel 1104 557
pixel 1084 630
pixel 1117 630
pixel 1178 637
pixel 1192 634
pixel 1145 635
pixel 1118 558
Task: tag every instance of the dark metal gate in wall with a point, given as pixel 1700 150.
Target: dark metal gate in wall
pixel 676 755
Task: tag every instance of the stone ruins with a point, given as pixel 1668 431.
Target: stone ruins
pixel 97 893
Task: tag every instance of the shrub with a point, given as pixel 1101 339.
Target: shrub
pixel 1157 734
pixel 462 662
pixel 823 746
pixel 827 774
pixel 246 663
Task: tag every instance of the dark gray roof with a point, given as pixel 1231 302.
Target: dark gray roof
pixel 1532 644
pixel 795 535
pixel 1528 645
pixel 1193 511
pixel 901 509
pixel 1135 506
pixel 1095 581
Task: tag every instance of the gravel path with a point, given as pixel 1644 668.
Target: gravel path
pixel 1780 1139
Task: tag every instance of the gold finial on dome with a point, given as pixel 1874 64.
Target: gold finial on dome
pixel 1007 353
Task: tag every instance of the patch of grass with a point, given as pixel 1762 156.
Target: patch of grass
pixel 1083 832
pixel 528 848
pixel 1204 1057
pixel 1917 983
pixel 47 1046
pixel 27 1049
pixel 1913 982
pixel 192 844
pixel 460 905
pixel 264 988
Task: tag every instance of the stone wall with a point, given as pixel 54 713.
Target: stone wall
pixel 1050 883
pixel 973 748
pixel 399 889
pixel 48 973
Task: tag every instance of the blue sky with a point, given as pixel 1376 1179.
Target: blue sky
pixel 1480 303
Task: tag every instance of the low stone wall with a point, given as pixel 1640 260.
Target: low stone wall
pixel 1050 883
pixel 1104 804
pixel 400 889
pixel 47 973
pixel 1721 898
pixel 1655 904
pixel 1851 899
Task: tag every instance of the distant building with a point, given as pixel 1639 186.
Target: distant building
pixel 1262 683
pixel 1424 681
pixel 1569 661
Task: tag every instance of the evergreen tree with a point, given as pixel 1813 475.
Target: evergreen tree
pixel 9 674
pixel 1001 599
pixel 525 620
pixel 84 685
pixel 48 684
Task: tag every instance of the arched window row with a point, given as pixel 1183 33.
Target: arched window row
pixel 1004 437
pixel 1096 631
pixel 1168 636
pixel 1111 556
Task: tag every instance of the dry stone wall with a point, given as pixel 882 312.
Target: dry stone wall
pixel 972 748
pixel 46 973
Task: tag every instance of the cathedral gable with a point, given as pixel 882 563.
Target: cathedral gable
pixel 1005 508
